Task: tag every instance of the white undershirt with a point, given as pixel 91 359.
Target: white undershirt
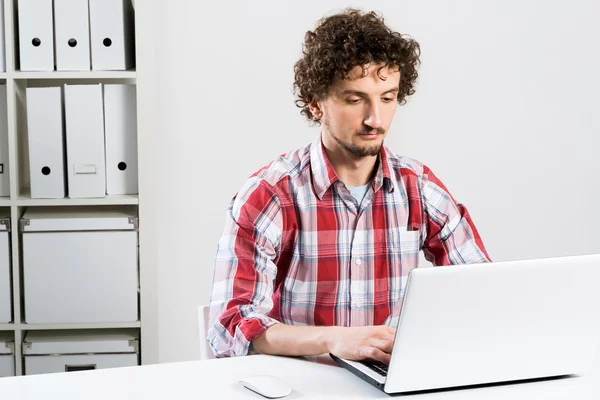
pixel 359 192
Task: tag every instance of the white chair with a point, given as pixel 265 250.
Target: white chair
pixel 206 352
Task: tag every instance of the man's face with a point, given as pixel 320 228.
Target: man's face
pixel 359 111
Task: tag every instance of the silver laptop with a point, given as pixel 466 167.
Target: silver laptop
pixel 489 323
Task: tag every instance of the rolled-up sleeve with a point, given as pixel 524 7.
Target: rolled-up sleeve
pixel 245 270
pixel 451 236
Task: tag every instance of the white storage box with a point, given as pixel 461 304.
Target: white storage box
pixel 80 265
pixel 5 293
pixel 48 352
pixel 7 357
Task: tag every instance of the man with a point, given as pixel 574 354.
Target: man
pixel 318 245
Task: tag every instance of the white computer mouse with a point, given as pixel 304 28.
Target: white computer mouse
pixel 268 386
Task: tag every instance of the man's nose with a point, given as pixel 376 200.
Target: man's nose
pixel 373 118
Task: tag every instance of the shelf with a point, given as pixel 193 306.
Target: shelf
pixel 5 202
pixel 2 75
pixel 7 327
pixel 25 200
pixel 129 74
pixel 106 325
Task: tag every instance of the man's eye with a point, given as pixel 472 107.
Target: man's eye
pixel 388 99
pixel 353 101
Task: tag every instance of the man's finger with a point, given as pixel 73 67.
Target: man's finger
pixel 386 336
pixel 376 354
pixel 391 331
pixel 386 332
pixel 384 345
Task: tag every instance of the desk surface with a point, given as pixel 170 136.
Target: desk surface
pixel 312 378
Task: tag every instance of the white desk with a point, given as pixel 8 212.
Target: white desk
pixel 217 379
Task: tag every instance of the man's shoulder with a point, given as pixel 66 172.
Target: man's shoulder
pixel 287 166
pixel 404 166
pixel 413 172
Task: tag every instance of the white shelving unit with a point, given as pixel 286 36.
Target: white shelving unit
pixel 16 82
pixel 43 327
pixel 129 74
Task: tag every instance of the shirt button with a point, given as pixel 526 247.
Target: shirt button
pixel 358 261
pixel 357 304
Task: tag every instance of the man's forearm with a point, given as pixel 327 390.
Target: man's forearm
pixel 287 340
pixel 353 343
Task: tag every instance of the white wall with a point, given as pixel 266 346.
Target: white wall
pixel 506 114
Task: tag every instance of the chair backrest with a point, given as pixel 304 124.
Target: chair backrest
pixel 206 352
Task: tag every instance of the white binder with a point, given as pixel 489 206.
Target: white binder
pixel 36 38
pixel 120 131
pixel 85 141
pixel 72 35
pixel 4 182
pixel 5 292
pixel 2 39
pixel 46 142
pixel 112 34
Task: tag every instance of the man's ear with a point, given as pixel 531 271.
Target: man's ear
pixel 316 109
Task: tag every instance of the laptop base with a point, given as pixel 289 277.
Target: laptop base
pixel 358 373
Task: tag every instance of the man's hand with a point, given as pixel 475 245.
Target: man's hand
pixel 360 343
pixel 352 343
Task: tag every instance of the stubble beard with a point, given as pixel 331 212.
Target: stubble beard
pixel 354 149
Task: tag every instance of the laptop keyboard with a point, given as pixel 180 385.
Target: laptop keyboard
pixel 376 366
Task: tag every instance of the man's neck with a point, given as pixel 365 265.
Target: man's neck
pixel 352 170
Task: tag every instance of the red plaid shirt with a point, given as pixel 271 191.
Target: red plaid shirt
pixel 298 249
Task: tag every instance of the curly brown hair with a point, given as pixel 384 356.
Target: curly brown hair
pixel 346 40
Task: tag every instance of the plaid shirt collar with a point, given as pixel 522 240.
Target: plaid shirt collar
pixel 323 174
